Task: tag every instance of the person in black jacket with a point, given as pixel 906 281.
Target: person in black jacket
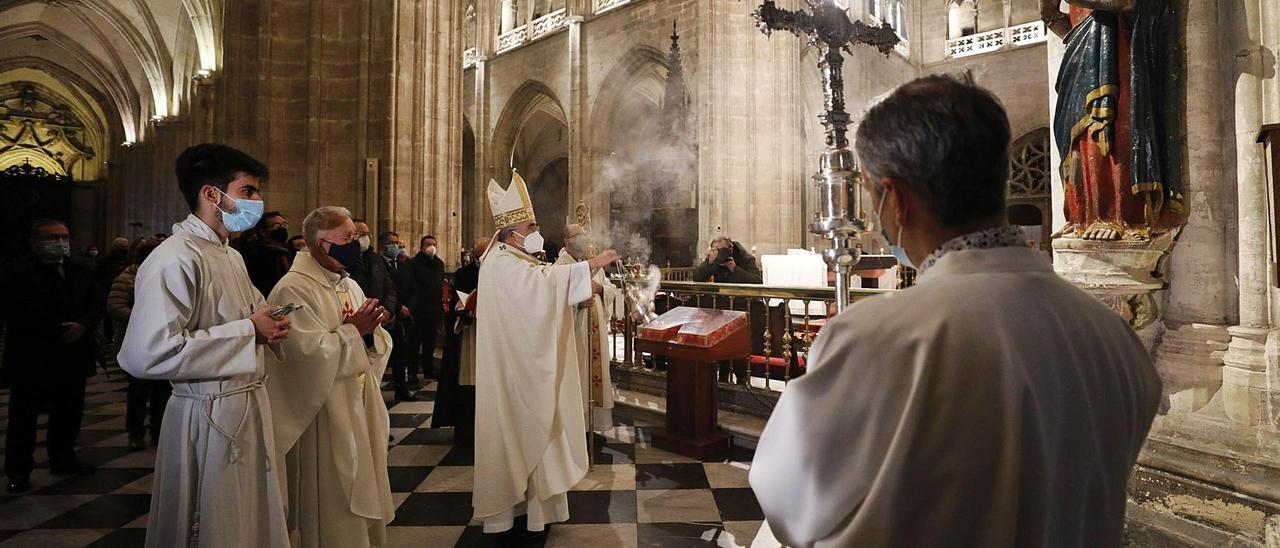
pixel 265 255
pixel 52 306
pixel 456 395
pixel 425 300
pixel 378 276
pixel 727 262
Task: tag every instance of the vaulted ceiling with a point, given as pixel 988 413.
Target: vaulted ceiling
pixel 135 58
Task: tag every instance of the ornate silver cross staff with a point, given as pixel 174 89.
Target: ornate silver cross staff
pixel 828 27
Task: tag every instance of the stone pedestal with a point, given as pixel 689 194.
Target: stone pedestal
pixel 1244 376
pixel 1122 274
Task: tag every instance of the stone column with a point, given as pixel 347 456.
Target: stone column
pixel 423 194
pixel 1201 296
pixel 508 16
pixel 581 185
pixel 1271 114
pixel 1244 377
pixel 487 28
pixel 750 161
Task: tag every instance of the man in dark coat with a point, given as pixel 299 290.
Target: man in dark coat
pixel 425 299
pixel 265 255
pixel 52 307
pixel 727 262
pixel 378 277
pixel 456 396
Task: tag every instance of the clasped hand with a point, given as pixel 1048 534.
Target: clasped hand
pixel 268 330
pixel 368 317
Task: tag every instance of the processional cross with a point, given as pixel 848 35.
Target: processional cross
pixel 828 27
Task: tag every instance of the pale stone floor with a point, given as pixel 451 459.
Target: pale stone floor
pixel 635 495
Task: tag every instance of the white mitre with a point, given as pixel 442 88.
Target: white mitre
pixel 512 205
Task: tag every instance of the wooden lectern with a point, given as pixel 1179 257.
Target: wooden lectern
pixel 693 340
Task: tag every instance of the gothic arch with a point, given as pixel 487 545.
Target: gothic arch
pixel 531 98
pixel 532 135
pixel 638 63
pixel 1029 185
pixel 626 99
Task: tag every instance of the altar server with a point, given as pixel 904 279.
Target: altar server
pixel 198 322
pixel 993 404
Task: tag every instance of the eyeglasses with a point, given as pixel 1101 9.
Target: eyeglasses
pixel 54 238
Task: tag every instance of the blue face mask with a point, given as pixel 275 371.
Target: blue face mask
pixel 391 250
pixel 898 252
pixel 348 254
pixel 248 213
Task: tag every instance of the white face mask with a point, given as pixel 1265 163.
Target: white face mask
pixel 364 243
pixel 898 251
pixel 430 251
pixel 533 243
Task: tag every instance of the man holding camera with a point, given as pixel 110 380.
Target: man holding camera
pixel 727 262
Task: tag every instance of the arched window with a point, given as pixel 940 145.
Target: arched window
pixel 1029 176
pixel 962 18
pixel 893 12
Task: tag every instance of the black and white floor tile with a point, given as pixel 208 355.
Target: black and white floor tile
pixel 635 494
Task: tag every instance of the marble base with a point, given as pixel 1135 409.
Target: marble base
pixel 1123 274
pixel 1245 394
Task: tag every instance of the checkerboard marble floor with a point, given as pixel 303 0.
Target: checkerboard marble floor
pixel 635 495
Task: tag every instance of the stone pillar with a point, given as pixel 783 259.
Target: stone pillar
pixel 423 193
pixel 582 187
pixel 1201 297
pixel 508 16
pixel 1244 377
pixel 750 161
pixel 1271 115
pixel 487 25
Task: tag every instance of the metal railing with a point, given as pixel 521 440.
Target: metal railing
pixel 783 320
pixel 677 273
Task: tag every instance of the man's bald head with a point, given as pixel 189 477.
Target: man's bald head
pixel 576 241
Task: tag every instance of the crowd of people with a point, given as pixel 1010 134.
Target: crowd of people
pixel 83 304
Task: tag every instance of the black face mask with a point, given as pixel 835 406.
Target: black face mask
pixel 723 255
pixel 280 235
pixel 347 254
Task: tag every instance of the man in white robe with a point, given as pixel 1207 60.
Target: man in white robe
pixel 591 331
pixel 199 322
pixel 993 404
pixel 331 424
pixel 530 435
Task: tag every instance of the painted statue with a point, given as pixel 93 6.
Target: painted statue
pixel 1117 120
